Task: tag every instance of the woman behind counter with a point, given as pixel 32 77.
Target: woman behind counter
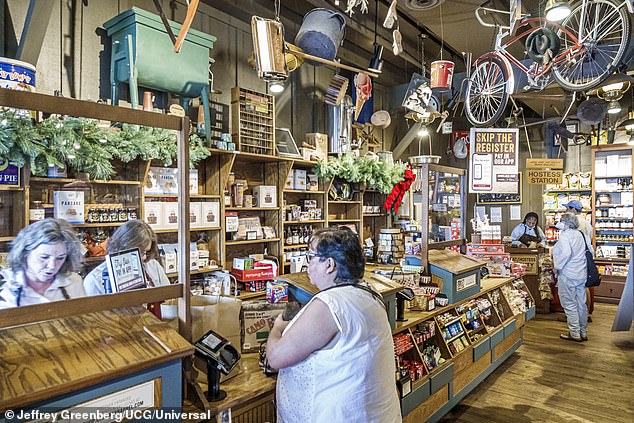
pixel 132 234
pixel 43 262
pixel 528 231
pixel 336 357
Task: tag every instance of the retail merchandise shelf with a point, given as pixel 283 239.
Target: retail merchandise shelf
pixel 92 181
pixel 615 242
pixel 167 231
pixel 245 295
pixel 10 188
pixel 453 338
pixel 600 260
pixel 373 214
pixel 6 238
pixel 449 323
pixel 570 190
pixel 302 191
pixel 290 247
pixel 612 191
pixel 196 272
pixel 344 202
pixel 98 225
pixel 303 222
pixel 252 208
pixel 343 220
pixel 611 177
pixel 191 196
pixel 252 241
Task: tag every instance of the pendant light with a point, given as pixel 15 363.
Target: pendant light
pixel 557 10
pixel 376 62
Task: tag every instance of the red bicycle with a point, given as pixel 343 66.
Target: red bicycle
pixel 593 40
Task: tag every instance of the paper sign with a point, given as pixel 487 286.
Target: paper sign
pixel 496 214
pixel 494 160
pixel 447 127
pixel 516 212
pixel 544 163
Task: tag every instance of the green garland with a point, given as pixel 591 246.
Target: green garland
pixel 376 174
pixel 85 145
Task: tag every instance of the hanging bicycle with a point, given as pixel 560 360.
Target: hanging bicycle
pixel 579 54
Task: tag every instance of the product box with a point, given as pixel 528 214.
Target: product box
pixel 290 181
pixel 265 195
pixel 243 263
pixel 310 154
pixel 69 205
pixel 152 184
pixel 257 318
pixel 320 142
pixel 231 221
pixel 170 214
pixel 256 274
pixel 276 292
pixel 169 255
pixel 195 214
pixel 300 179
pixel 10 173
pixel 313 182
pixel 210 214
pixel 193 181
pixel 152 214
pixel 193 259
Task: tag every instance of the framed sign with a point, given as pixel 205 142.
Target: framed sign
pixel 491 198
pixel 493 160
pixel 126 271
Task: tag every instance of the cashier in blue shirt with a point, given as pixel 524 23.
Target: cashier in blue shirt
pixel 527 232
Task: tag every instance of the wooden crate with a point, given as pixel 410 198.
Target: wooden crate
pixel 253 121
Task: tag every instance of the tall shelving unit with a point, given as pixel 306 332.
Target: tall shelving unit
pixel 551 214
pixel 612 199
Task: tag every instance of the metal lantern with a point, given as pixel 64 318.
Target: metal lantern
pixel 268 46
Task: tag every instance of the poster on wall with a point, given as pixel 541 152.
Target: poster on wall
pixel 494 160
pixel 504 198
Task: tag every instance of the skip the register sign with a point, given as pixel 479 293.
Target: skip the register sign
pixel 493 160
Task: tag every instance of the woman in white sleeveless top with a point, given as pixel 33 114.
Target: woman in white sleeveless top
pixel 336 357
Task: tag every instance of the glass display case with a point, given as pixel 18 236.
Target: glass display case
pixel 439 205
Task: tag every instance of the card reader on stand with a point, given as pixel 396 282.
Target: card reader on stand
pixel 401 296
pixel 221 356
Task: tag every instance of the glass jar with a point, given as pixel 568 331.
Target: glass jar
pixel 132 213
pixel 123 214
pixel 37 212
pixel 114 215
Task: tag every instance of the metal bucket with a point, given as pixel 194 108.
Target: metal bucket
pixel 340 126
pixel 441 74
pixel 321 33
pixel 17 75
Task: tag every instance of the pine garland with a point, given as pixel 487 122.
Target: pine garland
pixel 376 174
pixel 82 144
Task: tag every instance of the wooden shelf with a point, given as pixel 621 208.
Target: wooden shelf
pixel 252 208
pixel 196 272
pixel 613 191
pixel 292 247
pixel 569 190
pixel 302 162
pixel 453 338
pixel 374 214
pixel 344 202
pixel 167 231
pixel 303 191
pixel 252 241
pixel 10 188
pixel 91 181
pixel 6 238
pixel 343 220
pixel 192 196
pixel 98 225
pixel 245 295
pixel 303 222
pixel 612 177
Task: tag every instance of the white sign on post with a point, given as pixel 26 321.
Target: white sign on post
pixel 494 158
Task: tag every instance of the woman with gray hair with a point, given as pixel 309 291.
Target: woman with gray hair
pixel 132 234
pixel 569 259
pixel 43 262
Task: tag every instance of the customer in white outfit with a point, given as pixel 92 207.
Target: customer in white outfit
pixel 569 259
pixel 336 357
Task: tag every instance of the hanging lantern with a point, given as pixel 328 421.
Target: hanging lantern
pixel 268 46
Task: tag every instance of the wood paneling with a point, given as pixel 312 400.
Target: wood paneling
pixel 552 380
pixel 429 407
pixel 506 344
pixel 76 352
pixel 463 378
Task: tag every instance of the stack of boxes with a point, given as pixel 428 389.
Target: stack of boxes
pixel 391 246
pixel 301 180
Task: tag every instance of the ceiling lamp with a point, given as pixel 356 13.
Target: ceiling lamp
pixel 376 62
pixel 557 10
pixel 614 107
pixel 423 132
pixel 276 87
pixel 631 141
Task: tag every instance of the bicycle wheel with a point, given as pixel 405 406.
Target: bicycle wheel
pixel 487 92
pixel 591 58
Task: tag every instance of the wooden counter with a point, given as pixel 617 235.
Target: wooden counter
pixel 43 360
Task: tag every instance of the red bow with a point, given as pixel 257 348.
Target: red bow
pixel 393 201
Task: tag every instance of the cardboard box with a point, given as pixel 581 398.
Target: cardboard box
pixel 195 214
pixel 193 181
pixel 320 142
pixel 290 181
pixel 265 195
pixel 231 221
pixel 152 214
pixel 168 180
pixel 243 263
pixel 170 214
pixel 257 274
pixel 257 318
pixel 312 182
pixel 210 214
pixel 300 179
pixel 69 205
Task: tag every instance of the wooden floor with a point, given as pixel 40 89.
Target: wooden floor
pixel 552 380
